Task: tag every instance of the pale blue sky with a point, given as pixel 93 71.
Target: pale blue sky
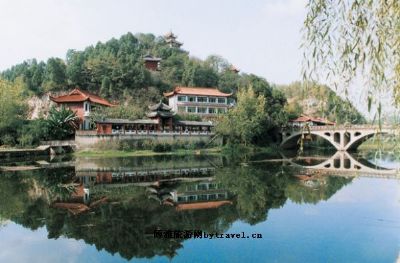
pixel 258 36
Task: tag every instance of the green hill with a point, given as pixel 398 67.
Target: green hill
pixel 115 69
pixel 319 101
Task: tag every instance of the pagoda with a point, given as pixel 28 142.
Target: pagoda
pixel 163 114
pixel 234 69
pixel 170 38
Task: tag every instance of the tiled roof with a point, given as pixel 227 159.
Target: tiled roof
pixel 160 106
pixel 78 95
pixel 197 91
pixel 305 118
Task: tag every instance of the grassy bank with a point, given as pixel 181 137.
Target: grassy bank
pixel 376 144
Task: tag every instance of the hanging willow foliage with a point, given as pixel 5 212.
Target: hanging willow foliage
pixel 344 38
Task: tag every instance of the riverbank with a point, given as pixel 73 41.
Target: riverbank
pixel 121 153
pixel 376 144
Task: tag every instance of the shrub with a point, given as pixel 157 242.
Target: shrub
pixel 26 140
pixel 8 140
pixel 160 147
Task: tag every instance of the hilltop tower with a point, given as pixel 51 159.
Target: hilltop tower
pixel 170 38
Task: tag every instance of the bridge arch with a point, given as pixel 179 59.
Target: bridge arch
pixel 360 137
pixel 341 137
pixel 291 139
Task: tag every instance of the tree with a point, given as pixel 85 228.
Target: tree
pixel 13 109
pixel 55 75
pixel 244 122
pixel 346 37
pixel 62 123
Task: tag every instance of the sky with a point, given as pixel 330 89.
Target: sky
pixel 259 36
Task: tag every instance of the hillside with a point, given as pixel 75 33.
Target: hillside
pixel 319 101
pixel 115 69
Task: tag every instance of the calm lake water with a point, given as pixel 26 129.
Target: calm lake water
pixel 126 209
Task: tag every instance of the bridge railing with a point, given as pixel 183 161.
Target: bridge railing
pixel 341 127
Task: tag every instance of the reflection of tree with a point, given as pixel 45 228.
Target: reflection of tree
pixel 256 190
pixel 320 188
pixel 125 224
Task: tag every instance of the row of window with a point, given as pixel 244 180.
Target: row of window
pixel 201 110
pixel 202 99
pixel 202 197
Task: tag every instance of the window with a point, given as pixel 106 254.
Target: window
pixel 202 187
pixel 181 98
pixel 211 110
pixel 202 99
pixel 181 109
pixel 192 99
pixel 202 197
pixel 191 109
pixel 222 100
pixel 86 106
pixel 201 110
pixel 221 110
pixel 212 100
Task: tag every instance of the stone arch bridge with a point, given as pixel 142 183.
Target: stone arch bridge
pixel 343 138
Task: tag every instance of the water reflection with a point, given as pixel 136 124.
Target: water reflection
pixel 117 203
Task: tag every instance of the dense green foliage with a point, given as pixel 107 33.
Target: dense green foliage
pixel 15 129
pixel 319 101
pixel 13 110
pixel 115 69
pixel 61 123
pixel 258 112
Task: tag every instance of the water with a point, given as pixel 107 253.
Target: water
pixel 107 209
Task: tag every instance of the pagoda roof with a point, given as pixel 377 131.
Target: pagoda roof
pixel 170 35
pixel 149 57
pixel 164 114
pixel 160 106
pixel 78 95
pixel 202 91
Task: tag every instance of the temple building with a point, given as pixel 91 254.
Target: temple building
pixel 82 103
pixel 152 63
pixel 304 120
pixel 170 38
pixel 160 120
pixel 205 102
pixel 163 114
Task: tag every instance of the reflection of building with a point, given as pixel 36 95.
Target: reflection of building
pixel 203 195
pixel 82 103
pixel 311 121
pixel 199 101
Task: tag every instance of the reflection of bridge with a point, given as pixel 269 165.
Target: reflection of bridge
pixel 343 138
pixel 342 163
